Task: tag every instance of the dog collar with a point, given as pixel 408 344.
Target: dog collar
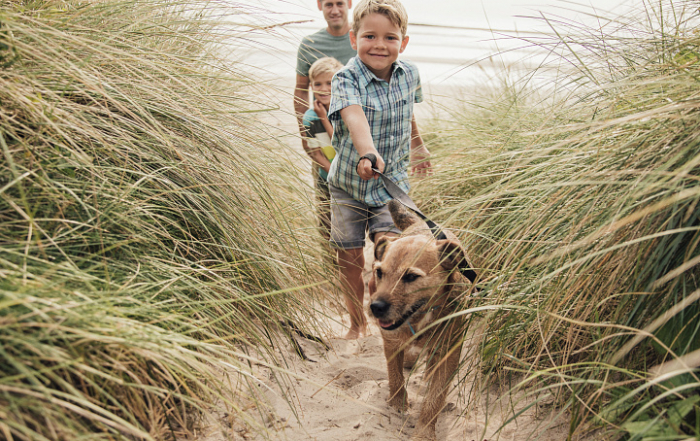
pixel 413 332
pixel 411 312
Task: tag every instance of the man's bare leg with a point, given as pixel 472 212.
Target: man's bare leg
pixel 351 263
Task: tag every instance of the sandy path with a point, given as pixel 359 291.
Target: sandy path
pixel 341 394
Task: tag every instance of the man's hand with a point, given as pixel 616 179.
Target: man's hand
pixel 364 168
pixel 420 164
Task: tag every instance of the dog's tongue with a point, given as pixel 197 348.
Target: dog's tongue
pixel 384 324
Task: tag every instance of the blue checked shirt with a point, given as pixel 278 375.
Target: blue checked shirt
pixel 389 110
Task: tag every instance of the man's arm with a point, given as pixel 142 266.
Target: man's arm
pixel 420 163
pixel 357 124
pixel 301 103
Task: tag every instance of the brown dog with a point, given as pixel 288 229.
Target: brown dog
pixel 415 282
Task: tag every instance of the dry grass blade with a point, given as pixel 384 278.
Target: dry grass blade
pixel 148 233
pixel 581 209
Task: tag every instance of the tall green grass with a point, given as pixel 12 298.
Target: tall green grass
pixel 579 204
pixel 150 236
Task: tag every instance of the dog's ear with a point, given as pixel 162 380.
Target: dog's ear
pixel 451 254
pixel 402 217
pixel 380 247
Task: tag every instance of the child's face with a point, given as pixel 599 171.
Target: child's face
pixel 321 86
pixel 378 43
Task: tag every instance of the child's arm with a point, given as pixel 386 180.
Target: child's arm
pixel 357 124
pixel 420 163
pixel 322 113
pixel 315 152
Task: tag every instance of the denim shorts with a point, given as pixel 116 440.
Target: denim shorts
pixel 352 219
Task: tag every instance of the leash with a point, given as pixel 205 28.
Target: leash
pixel 397 193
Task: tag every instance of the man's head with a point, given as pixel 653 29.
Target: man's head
pixel 336 14
pixel 320 76
pixel 379 34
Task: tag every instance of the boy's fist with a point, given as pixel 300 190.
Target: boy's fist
pixel 364 166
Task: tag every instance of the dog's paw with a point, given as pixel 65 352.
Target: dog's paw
pixel 423 437
pixel 425 434
pixel 400 402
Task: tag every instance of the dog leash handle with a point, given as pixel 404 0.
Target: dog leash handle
pixel 372 158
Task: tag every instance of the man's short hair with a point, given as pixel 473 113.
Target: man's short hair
pixel 392 9
pixel 323 66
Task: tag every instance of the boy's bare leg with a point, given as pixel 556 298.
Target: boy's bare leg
pixel 351 264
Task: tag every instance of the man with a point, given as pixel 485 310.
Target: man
pixel 332 41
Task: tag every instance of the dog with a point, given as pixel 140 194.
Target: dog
pixel 415 282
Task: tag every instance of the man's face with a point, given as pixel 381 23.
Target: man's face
pixel 335 12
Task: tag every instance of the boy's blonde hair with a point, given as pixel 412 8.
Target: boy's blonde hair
pixel 323 66
pixel 392 9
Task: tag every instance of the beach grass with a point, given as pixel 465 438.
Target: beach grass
pixel 153 238
pixel 579 206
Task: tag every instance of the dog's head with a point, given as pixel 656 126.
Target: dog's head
pixel 411 273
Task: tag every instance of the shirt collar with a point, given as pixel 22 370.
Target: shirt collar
pixel 367 75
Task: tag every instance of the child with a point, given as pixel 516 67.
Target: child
pixel 372 112
pixel 318 132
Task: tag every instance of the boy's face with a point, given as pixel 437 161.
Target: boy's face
pixel 378 44
pixel 321 86
pixel 335 12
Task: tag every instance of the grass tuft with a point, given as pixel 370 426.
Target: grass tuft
pixel 579 204
pixel 150 234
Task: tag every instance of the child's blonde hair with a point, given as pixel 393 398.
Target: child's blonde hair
pixel 392 9
pixel 323 66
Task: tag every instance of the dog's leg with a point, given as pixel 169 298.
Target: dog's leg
pixel 398 398
pixel 442 366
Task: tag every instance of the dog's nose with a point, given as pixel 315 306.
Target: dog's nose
pixel 379 308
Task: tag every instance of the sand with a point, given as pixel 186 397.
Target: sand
pixel 340 394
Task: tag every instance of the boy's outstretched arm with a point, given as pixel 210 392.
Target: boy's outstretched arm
pixel 357 124
pixel 420 163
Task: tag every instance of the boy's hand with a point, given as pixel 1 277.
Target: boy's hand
pixel 320 109
pixel 364 168
pixel 420 164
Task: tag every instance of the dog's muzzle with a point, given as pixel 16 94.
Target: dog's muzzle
pixel 380 307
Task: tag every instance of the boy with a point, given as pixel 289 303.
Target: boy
pixel 318 133
pixel 372 112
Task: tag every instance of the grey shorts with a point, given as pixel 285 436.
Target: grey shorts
pixel 352 219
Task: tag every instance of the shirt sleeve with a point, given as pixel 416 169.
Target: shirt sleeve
pixel 419 88
pixel 345 92
pixel 306 121
pixel 303 64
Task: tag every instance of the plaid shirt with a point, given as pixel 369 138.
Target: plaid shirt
pixel 389 110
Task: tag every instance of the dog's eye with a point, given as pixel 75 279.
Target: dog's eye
pixel 378 273
pixel 409 277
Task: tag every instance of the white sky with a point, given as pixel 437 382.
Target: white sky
pixel 494 14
